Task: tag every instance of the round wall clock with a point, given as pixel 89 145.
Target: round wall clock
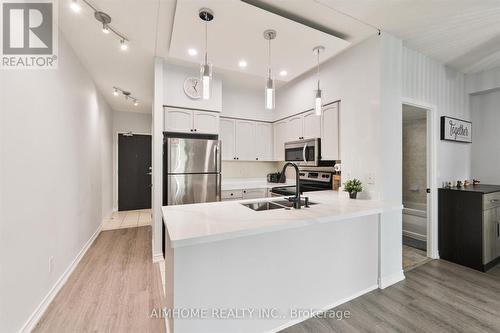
pixel 193 87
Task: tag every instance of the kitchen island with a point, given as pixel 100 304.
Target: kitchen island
pixel 233 269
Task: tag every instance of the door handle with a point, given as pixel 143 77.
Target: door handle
pixel 304 153
pixel 149 173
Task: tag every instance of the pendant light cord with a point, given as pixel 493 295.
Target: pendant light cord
pixel 318 69
pixel 206 37
pixel 269 58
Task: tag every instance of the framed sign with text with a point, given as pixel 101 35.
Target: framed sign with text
pixel 457 130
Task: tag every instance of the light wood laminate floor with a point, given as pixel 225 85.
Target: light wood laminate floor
pixel 438 296
pixel 113 289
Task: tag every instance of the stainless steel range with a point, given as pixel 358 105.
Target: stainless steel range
pixel 310 181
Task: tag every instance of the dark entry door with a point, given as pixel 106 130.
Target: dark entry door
pixel 134 171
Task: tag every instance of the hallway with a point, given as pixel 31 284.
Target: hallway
pixel 113 289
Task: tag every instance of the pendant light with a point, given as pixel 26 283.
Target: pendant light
pixel 318 104
pixel 269 35
pixel 206 15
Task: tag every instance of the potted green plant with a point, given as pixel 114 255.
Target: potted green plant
pixel 353 186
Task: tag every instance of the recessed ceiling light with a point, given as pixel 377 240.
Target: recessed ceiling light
pixel 75 6
pixel 242 63
pixel 192 52
pixel 283 73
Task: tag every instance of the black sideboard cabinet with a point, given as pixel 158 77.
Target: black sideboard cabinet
pixel 469 225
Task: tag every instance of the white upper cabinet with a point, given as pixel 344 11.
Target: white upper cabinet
pixel 263 142
pixel 178 120
pixel 189 121
pixel 280 136
pixel 294 128
pixel 330 133
pixel 245 140
pixel 311 125
pixel 226 135
pixel 206 122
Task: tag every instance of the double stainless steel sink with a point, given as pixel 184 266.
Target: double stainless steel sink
pixel 268 205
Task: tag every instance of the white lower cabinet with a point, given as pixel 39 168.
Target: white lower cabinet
pixel 252 193
pixel 191 121
pixel 231 195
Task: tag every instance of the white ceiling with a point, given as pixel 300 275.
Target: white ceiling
pixel 236 33
pixel 464 34
pixel 131 70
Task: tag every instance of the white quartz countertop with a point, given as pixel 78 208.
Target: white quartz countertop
pixel 193 224
pixel 248 183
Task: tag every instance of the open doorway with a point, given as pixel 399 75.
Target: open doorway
pixel 415 186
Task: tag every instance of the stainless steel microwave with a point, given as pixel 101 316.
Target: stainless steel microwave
pixel 305 152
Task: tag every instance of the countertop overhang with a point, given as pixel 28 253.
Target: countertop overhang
pixel 193 224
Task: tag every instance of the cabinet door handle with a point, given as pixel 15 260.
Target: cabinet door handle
pixel 494 200
pixel 498 230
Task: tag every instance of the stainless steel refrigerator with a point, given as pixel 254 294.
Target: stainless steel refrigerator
pixel 192 165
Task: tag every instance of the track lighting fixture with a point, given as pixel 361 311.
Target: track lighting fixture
pixel 318 104
pixel 206 15
pixel 269 35
pixel 126 94
pixel 102 18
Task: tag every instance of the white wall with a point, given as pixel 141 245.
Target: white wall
pixel 483 81
pixel 352 77
pixel 244 101
pixel 427 81
pixel 135 122
pixel 485 144
pixel 56 171
pixel 173 89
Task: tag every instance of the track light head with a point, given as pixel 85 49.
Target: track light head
pixel 123 45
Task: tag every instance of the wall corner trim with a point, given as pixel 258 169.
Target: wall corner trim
pixel 157 257
pixel 389 280
pixel 30 324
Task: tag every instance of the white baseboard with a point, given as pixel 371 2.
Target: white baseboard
pixel 415 235
pixel 157 257
pixel 30 324
pixel 386 281
pixel 325 308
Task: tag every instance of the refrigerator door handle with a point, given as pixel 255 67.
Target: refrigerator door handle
pixel 218 162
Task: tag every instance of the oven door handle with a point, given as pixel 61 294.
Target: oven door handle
pixel 304 153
